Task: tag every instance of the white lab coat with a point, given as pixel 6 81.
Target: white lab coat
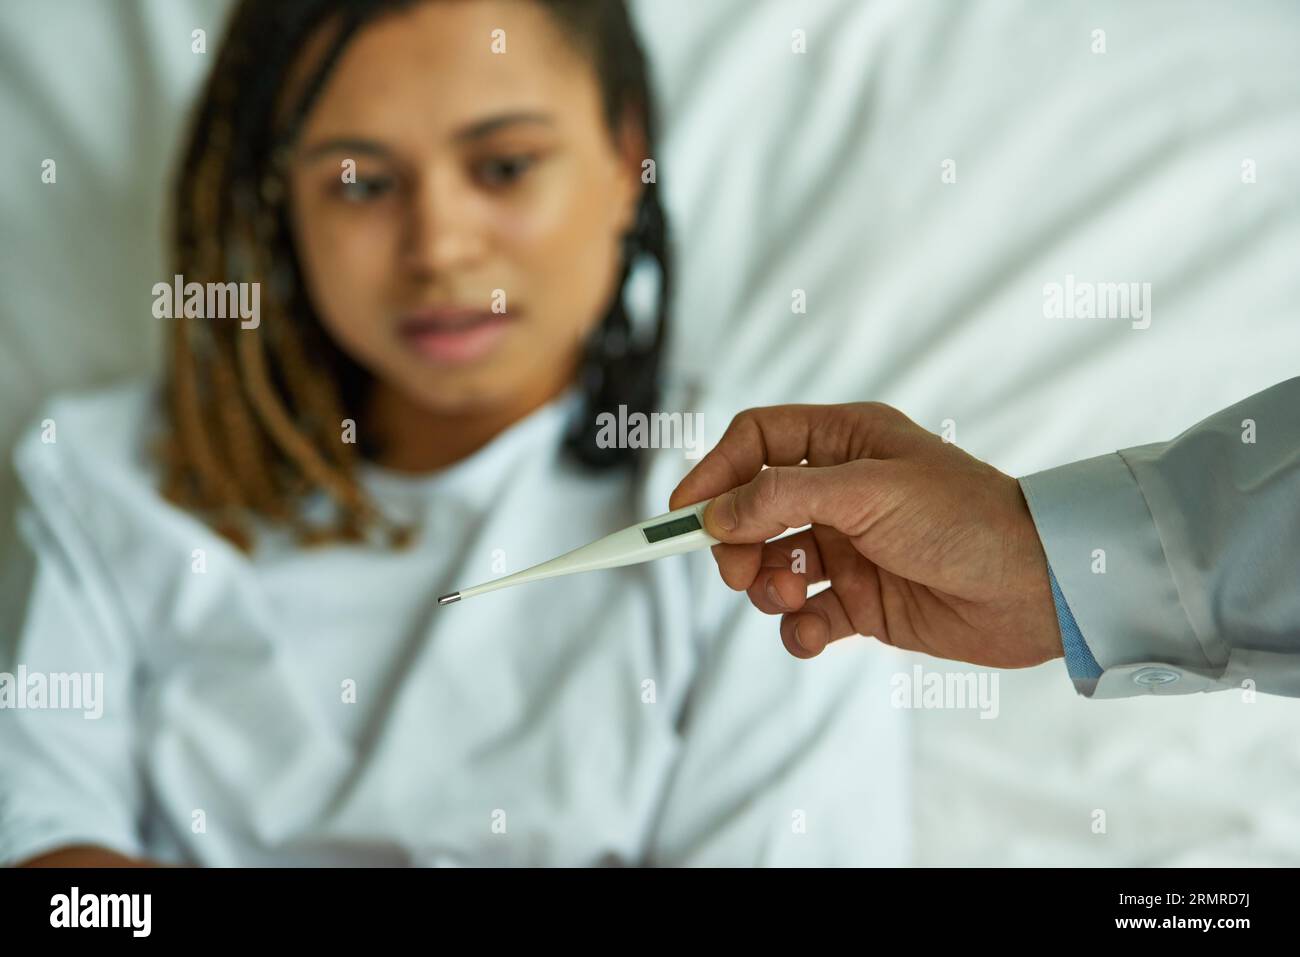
pixel 315 707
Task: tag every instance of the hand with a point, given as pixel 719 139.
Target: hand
pixel 87 855
pixel 925 547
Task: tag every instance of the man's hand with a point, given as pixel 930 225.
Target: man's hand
pixel 924 546
pixel 87 855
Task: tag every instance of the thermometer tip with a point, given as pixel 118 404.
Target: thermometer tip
pixel 448 599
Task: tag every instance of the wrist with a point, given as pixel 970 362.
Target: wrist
pixel 1038 588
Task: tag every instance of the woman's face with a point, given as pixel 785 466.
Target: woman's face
pixel 478 241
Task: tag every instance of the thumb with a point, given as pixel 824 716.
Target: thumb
pixel 778 499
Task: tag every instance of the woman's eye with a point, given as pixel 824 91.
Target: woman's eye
pixel 504 170
pixel 366 188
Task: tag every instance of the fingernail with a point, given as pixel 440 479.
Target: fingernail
pixel 799 641
pixel 723 511
pixel 775 598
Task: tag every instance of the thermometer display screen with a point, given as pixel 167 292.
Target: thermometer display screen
pixel 678 526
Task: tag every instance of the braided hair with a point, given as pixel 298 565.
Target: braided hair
pixel 252 416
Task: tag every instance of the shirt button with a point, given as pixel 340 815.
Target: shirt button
pixel 1151 677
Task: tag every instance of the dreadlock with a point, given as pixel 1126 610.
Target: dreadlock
pixel 253 416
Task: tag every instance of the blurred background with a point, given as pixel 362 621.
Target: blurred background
pixel 921 172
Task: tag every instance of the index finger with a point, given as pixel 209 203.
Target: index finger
pixel 787 435
pixel 772 435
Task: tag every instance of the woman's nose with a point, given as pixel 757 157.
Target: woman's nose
pixel 443 233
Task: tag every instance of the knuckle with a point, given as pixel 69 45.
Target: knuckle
pixel 881 411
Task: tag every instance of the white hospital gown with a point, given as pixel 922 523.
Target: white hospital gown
pixel 316 707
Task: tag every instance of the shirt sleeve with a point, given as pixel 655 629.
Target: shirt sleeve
pixel 783 762
pixel 1178 559
pixel 69 773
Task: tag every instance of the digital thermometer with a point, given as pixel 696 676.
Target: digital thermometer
pixel 669 534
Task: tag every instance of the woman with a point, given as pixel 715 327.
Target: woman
pixel 442 202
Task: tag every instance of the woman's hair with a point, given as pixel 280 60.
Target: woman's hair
pixel 254 417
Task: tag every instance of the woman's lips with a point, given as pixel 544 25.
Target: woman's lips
pixel 455 338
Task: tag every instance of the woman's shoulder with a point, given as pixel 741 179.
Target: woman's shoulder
pixel 96 434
